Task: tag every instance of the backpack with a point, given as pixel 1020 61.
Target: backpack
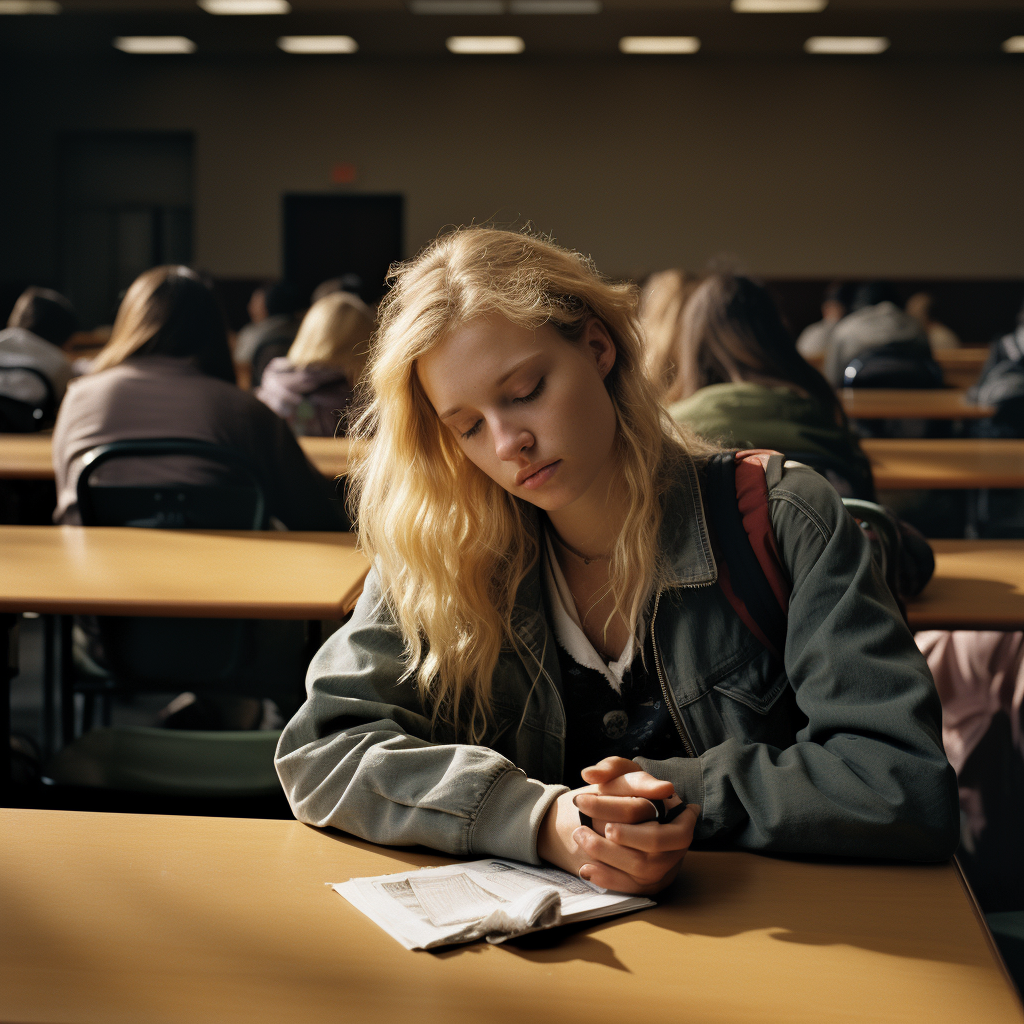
pixel 897 364
pixel 751 572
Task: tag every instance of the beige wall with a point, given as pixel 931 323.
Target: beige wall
pixel 797 167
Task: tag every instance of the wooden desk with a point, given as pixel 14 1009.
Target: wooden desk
pixel 328 454
pixel 106 570
pixel 25 457
pixel 963 463
pixel 140 918
pixel 978 584
pixel 890 404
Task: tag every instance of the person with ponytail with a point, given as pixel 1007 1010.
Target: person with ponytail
pixel 541 651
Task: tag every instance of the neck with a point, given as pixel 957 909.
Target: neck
pixel 590 528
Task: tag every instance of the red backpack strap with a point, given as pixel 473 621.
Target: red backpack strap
pixel 750 571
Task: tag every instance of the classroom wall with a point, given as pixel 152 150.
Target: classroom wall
pixel 803 167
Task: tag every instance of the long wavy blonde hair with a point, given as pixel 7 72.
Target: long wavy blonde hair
pixel 450 545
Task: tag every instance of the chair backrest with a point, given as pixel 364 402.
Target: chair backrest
pixel 172 654
pixel 899 364
pixel 27 400
pixel 221 506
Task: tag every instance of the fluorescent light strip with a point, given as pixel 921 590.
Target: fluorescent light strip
pixel 847 44
pixel 457 7
pixel 554 7
pixel 29 7
pixel 659 44
pixel 154 44
pixel 779 6
pixel 485 44
pixel 1015 44
pixel 245 6
pixel 318 44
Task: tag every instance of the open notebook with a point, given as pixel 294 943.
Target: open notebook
pixel 481 899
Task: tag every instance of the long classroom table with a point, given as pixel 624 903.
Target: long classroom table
pixel 893 404
pixel 146 918
pixel 108 570
pixel 960 463
pixel 978 584
pixel 28 456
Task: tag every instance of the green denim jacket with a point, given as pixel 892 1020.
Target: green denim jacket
pixel 836 752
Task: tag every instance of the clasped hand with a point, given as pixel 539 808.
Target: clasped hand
pixel 626 850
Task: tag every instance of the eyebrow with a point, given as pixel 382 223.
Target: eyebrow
pixel 501 380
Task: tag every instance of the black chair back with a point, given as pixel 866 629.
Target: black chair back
pixel 251 658
pixel 900 364
pixel 223 506
pixel 20 416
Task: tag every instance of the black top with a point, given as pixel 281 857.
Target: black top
pixel 601 723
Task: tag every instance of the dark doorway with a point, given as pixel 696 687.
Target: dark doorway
pixel 126 201
pixel 327 236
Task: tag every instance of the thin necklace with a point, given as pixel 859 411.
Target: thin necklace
pixel 587 559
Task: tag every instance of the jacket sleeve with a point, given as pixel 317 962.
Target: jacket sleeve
pixel 867 775
pixel 359 755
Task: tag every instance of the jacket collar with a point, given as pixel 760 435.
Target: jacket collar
pixel 683 539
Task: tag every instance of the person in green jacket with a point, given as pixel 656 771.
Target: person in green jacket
pixel 730 371
pixel 542 635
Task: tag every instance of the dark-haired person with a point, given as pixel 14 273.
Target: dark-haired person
pixel 875 319
pixel 40 323
pixel 740 380
pixel 274 312
pixel 167 372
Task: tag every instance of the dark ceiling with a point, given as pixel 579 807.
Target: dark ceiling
pixel 387 27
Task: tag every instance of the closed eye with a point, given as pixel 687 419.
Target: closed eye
pixel 535 393
pixel 472 430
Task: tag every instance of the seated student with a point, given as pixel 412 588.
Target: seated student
pixel 740 381
pixel 312 386
pixel 875 320
pixel 39 325
pixel 541 633
pixel 663 299
pixel 274 312
pixel 166 372
pixel 813 340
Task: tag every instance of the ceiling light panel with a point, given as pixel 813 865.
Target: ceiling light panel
pixel 485 44
pixel 154 44
pixel 779 6
pixel 457 7
pixel 847 44
pixel 554 7
pixel 318 44
pixel 246 6
pixel 1015 44
pixel 29 7
pixel 659 44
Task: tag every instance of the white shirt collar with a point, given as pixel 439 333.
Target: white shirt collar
pixel 569 630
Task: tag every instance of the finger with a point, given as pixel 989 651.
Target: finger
pixel 616 808
pixel 650 837
pixel 637 784
pixel 618 881
pixel 645 867
pixel 609 768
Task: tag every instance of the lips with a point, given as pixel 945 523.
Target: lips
pixel 534 476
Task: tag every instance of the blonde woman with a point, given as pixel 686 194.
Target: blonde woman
pixel 541 635
pixel 312 385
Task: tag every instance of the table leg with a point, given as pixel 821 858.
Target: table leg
pixel 67 679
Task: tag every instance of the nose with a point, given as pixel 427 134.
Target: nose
pixel 511 440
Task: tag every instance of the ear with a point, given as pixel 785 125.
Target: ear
pixel 600 345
